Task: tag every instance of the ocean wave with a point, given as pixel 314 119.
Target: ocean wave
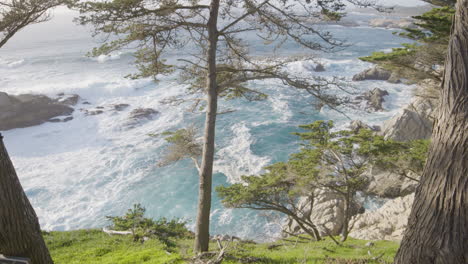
pixel 108 57
pixel 237 158
pixel 11 63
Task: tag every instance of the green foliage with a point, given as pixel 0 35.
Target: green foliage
pixel 162 229
pixel 404 158
pixel 271 190
pixel 183 144
pixel 378 56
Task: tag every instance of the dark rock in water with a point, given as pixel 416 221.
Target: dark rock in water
pixel 92 112
pixel 86 103
pixel 374 99
pixel 66 119
pixel 120 107
pixel 376 73
pixel 29 110
pixel 143 113
pixel 140 115
pixel 101 109
pixel 319 68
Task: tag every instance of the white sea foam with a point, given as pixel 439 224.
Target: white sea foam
pixel 11 63
pixel 103 58
pixel 237 159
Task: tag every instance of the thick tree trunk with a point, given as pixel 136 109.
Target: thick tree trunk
pixel 20 233
pixel 437 231
pixel 202 237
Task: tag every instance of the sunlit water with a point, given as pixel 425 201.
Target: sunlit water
pixel 78 172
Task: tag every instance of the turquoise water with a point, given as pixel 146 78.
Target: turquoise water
pixel 76 173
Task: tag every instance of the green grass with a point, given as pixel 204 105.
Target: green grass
pixel 94 246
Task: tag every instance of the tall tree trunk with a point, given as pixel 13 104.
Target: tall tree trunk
pixel 202 236
pixel 20 233
pixel 437 231
pixel 345 228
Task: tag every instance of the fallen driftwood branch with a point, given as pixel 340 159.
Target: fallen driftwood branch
pixel 113 232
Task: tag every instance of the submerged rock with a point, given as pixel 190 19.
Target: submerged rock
pixel 29 110
pixel 319 68
pixel 92 112
pixel 386 223
pixel 120 107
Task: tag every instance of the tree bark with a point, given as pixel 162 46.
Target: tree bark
pixel 20 233
pixel 202 235
pixel 437 231
pixel 345 228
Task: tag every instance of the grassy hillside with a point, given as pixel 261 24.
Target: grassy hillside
pixel 94 246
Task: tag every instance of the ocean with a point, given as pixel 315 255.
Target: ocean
pixel 78 172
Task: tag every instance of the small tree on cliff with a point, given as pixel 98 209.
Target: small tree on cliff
pixel 220 64
pixel 438 225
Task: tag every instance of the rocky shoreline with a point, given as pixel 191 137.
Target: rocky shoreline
pixel 26 110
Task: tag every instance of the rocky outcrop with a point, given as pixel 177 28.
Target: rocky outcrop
pixel 327 213
pixel 413 122
pixel 386 184
pixel 143 113
pixel 29 110
pixel 373 99
pixel 391 23
pixel 139 116
pixel 394 78
pixel 387 223
pixel 357 125
pixel 376 73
